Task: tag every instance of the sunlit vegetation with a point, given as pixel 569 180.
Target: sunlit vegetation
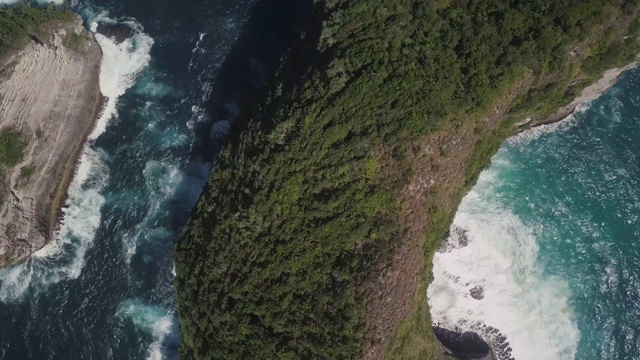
pixel 23 22
pixel 12 146
pixel 75 42
pixel 26 172
pixel 302 204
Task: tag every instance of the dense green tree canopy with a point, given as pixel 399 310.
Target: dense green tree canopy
pixel 302 204
pixel 17 23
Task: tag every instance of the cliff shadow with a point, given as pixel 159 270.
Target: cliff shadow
pixel 272 33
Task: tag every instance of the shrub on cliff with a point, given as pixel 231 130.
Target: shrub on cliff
pixel 19 22
pixel 12 146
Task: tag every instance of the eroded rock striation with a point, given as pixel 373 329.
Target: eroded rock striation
pixel 50 94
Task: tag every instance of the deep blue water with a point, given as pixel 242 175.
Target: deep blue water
pixel 104 289
pixel 554 238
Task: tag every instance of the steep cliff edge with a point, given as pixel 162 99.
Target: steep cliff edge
pixel 49 99
pixel 315 234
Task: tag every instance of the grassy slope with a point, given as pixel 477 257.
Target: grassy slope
pixel 303 203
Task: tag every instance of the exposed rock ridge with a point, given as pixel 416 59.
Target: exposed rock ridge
pixel 588 94
pixel 50 94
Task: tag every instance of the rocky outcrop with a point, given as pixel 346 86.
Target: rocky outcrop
pixel 587 95
pixel 50 94
pixel 465 345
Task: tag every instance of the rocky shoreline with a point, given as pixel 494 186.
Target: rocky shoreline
pixel 463 344
pixel 486 342
pixel 50 94
pixel 61 194
pixel 590 93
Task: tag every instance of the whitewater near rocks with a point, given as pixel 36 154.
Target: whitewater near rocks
pixel 542 255
pixel 63 257
pixel 103 288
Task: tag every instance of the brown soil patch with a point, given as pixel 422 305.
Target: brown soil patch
pixel 440 164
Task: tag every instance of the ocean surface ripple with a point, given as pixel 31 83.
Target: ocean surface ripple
pixel 103 289
pixel 545 249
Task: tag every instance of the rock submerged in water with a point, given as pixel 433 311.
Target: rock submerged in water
pixel 477 292
pixel 119 32
pixel 484 343
pixel 458 238
pixel 464 345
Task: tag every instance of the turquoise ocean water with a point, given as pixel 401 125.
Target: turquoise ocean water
pixel 550 238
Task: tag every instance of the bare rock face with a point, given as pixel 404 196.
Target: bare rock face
pixel 464 345
pixel 49 92
pixel 119 32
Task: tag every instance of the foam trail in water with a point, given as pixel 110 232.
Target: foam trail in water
pixel 564 124
pixel 64 257
pixel 121 65
pixel 165 181
pixel 154 320
pixel 487 274
pixel 162 179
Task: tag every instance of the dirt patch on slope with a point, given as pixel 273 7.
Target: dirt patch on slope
pixel 440 165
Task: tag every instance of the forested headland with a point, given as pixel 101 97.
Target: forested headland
pixel 349 172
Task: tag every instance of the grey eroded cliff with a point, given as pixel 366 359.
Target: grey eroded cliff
pixel 49 92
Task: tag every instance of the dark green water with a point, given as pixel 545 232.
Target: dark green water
pixel 553 238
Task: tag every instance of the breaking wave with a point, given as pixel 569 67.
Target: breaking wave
pixel 156 321
pixel 64 257
pixel 488 279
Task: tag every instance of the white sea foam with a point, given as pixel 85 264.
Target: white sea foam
pixel 82 212
pixel 198 116
pixel 564 124
pixel 151 86
pixel 15 282
pixel 491 249
pixel 162 179
pixel 197 50
pixel 121 65
pixel 154 320
pixel 64 257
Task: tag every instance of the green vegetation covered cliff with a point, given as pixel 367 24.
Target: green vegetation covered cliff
pixel 315 233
